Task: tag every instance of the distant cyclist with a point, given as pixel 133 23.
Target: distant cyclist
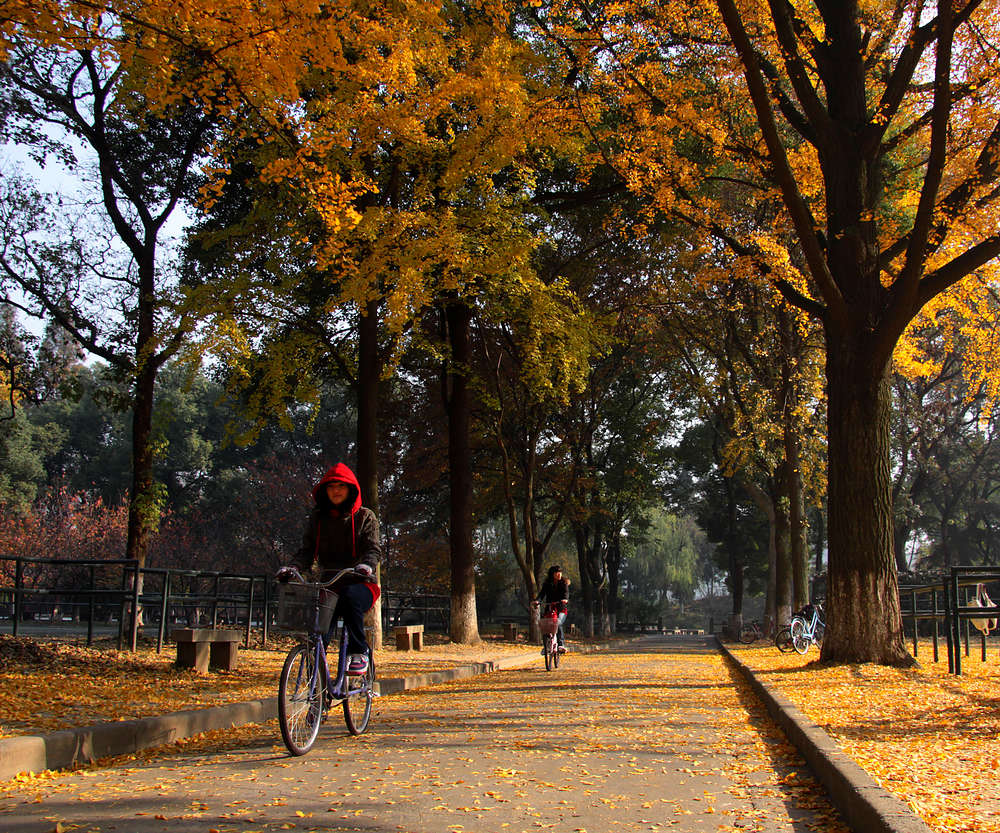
pixel 341 533
pixel 555 591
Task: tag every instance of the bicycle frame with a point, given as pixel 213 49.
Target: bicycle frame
pixel 307 688
pixel 804 631
pixel 813 623
pixel 548 622
pixel 336 687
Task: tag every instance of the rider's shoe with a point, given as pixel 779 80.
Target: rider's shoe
pixel 357 665
pixel 562 649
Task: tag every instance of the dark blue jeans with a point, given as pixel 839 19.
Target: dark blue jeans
pixel 354 602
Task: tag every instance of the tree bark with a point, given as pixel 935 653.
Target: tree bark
pixel 142 509
pixel 737 578
pixel 369 375
pixel 464 621
pixel 862 603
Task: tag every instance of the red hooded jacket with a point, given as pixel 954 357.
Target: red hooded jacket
pixel 341 536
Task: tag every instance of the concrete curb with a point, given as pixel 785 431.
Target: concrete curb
pixel 71 748
pixel 864 805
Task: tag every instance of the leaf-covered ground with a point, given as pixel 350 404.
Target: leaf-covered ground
pixel 929 737
pixel 657 736
pixel 57 685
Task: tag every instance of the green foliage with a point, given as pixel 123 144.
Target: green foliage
pixel 662 563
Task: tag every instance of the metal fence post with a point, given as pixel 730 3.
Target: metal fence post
pixel 266 617
pixel 936 611
pixel 162 632
pixel 946 597
pixel 246 638
pixel 916 622
pixel 956 622
pixel 124 607
pixel 92 606
pixel 18 595
pixel 215 602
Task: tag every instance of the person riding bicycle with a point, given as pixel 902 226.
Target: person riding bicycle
pixel 341 533
pixel 555 591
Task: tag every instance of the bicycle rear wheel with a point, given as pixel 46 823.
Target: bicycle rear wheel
pixel 300 699
pixel 360 695
pixel 555 653
pixel 783 640
pixel 748 634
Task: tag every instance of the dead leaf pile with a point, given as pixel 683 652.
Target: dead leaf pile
pixel 931 738
pixel 49 686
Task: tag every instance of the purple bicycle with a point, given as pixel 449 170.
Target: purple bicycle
pixel 306 688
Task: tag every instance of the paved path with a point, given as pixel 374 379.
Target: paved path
pixel 657 735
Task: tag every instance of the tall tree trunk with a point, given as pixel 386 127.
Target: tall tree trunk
pixel 736 570
pixel 783 557
pixel 862 603
pixel 796 525
pixel 144 507
pixel 464 621
pixel 614 569
pixel 143 511
pixel 586 582
pixel 369 374
pixel 772 604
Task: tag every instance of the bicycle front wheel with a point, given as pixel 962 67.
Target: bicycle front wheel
pixel 360 696
pixel 800 641
pixel 555 654
pixel 547 648
pixel 783 640
pixel 300 699
pixel 748 634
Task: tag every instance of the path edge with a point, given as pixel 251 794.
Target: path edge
pixel 865 806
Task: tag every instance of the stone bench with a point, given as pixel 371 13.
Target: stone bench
pixel 409 637
pixel 202 648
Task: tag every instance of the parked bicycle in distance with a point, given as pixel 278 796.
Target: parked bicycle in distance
pixel 750 632
pixel 548 623
pixel 306 688
pixel 807 627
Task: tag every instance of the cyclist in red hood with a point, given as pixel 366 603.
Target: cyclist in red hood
pixel 342 533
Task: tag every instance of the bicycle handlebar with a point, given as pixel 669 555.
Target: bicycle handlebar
pixel 334 580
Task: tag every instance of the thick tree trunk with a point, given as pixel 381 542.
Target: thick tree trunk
pixel 464 622
pixel 369 374
pixel 144 506
pixel 586 581
pixel 143 511
pixel 772 606
pixel 796 526
pixel 783 560
pixel 736 579
pixel 862 604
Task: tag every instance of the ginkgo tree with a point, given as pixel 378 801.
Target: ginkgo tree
pixel 875 126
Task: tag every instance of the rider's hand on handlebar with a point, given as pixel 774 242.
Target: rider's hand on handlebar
pixel 286 574
pixel 364 569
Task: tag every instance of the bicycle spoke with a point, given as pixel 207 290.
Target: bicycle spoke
pixel 300 699
pixel 359 700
